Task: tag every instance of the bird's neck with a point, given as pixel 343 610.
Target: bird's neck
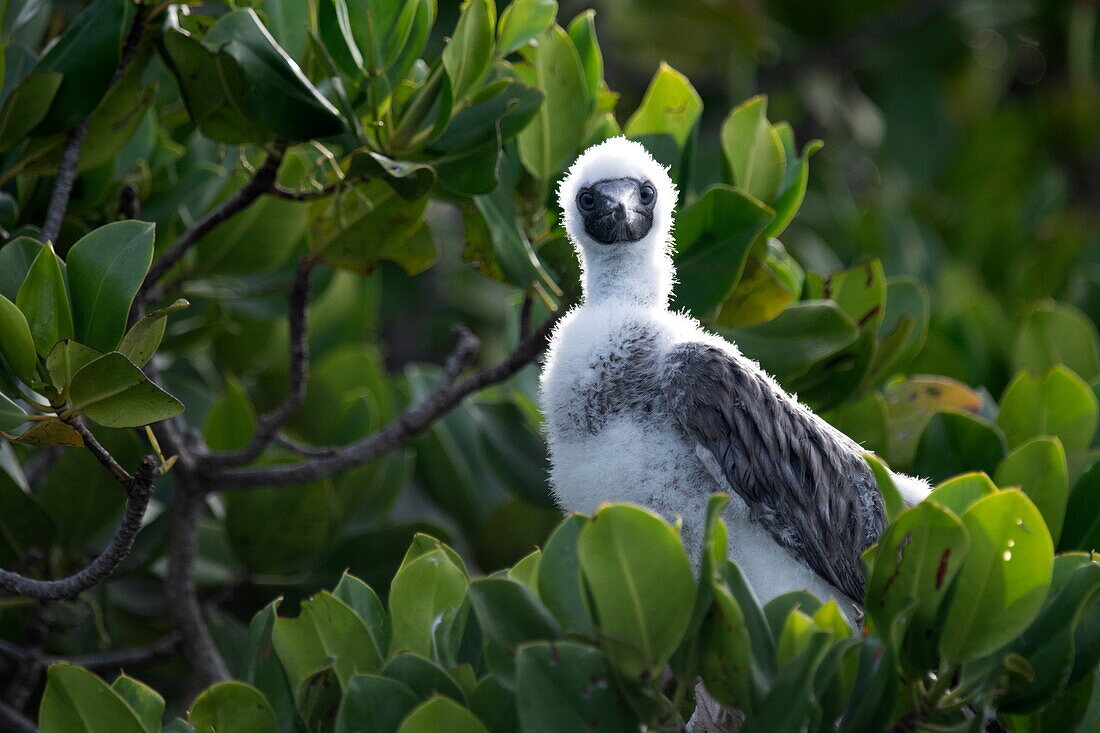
pixel 627 274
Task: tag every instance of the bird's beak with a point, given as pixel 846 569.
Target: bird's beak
pixel 619 214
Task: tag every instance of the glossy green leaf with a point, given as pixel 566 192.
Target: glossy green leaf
pixel 582 31
pixel 77 700
pixel 508 615
pixel 667 116
pixel 86 56
pixel 48 433
pixel 767 286
pixel 1081 530
pixel 953 442
pixel 16 342
pixel 469 54
pixel 1058 403
pixel 425 600
pixel 1004 580
pixel 370 223
pixel 16 258
pixel 1038 467
pixel 714 236
pixel 409 179
pixel 641 585
pixel 726 654
pixel 753 149
pixel 792 187
pixel 438 714
pixel 26 106
pixel 359 596
pixel 231 706
pixel 522 21
pixel 374 705
pixel 105 270
pixel 559 582
pixel 801 335
pixel 424 678
pixel 790 703
pixel 144 337
pixel 1056 333
pixel 113 392
pixel 553 65
pixel 264 670
pixel 564 687
pixel 66 358
pixel 44 300
pixel 143 700
pixel 11 414
pixel 326 630
pixel 859 291
pixel 911 403
pixel 958 493
pixel 904 326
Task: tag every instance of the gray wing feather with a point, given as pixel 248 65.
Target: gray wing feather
pixel 804 481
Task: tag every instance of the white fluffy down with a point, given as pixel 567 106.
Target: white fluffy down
pixel 626 293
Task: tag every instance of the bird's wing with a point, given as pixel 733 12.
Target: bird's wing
pixel 803 480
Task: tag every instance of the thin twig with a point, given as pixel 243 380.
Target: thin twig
pixel 140 491
pixel 129 658
pixel 525 315
pixel 414 420
pixel 261 182
pixel 14 721
pixel 270 422
pixel 70 154
pixel 296 446
pixel 102 454
pixel 179 585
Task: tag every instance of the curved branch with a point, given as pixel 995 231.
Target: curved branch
pixel 414 420
pixel 140 489
pixel 261 182
pixel 102 454
pixel 130 658
pixel 270 422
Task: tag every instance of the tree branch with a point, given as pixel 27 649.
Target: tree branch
pixel 14 721
pixel 414 420
pixel 70 154
pixel 262 181
pixel 129 658
pixel 140 489
pixel 179 586
pixel 270 422
pixel 102 454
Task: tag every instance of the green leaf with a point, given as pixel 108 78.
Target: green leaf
pixel 359 596
pixel 374 705
pixel 859 291
pixel 86 56
pixel 511 249
pixel 113 392
pixel 424 678
pixel 790 703
pixel 16 342
pixel 439 714
pixel 508 615
pixel 326 630
pixel 264 671
pixel 904 326
pixel 526 571
pixel 232 706
pixel 753 150
pixel 958 493
pixel 1004 580
pixel 426 598
pixel 495 706
pixel 77 700
pixel 641 585
pixel 727 666
pixel 24 522
pixel 891 497
pixel 143 700
pixel 767 286
pixel 1038 467
pixel 792 188
pixel 582 31
pixel 1081 530
pixel 65 359
pixel 144 337
pixel 668 113
pixel 231 420
pixel 47 433
pixel 409 179
pixel 953 442
pixel 714 236
pixel 31 99
pixel 334 30
pixel 470 53
pixel 1056 333
pixel 559 579
pixel 522 21
pixel 552 65
pixel 910 404
pixel 800 336
pixel 564 687
pixel 917 559
pixel 105 270
pixel 16 258
pixel 1058 403
pixel 44 300
pixel 359 229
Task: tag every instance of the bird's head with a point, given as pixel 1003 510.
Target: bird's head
pixel 617 196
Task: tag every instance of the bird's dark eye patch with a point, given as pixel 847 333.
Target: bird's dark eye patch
pixel 586 200
pixel 648 194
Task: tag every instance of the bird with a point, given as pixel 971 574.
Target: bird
pixel 642 405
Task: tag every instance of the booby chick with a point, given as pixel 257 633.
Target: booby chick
pixel 644 406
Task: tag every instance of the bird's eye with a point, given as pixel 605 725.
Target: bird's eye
pixel 648 194
pixel 586 200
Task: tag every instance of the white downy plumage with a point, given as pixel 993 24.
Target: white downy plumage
pixel 615 430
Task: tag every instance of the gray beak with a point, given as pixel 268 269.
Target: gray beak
pixel 617 210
